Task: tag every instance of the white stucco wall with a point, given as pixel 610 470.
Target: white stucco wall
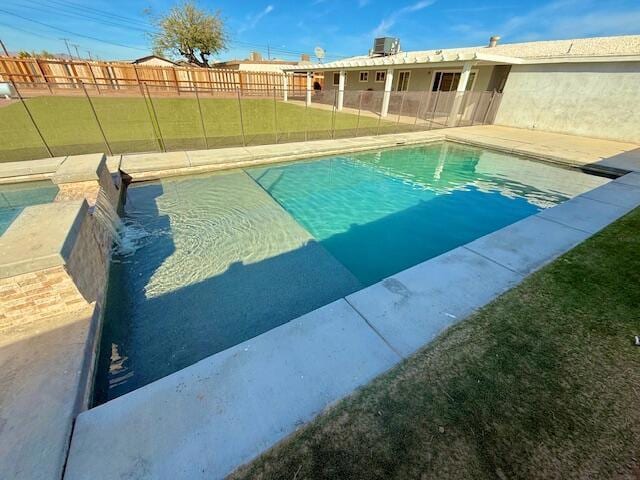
pixel 419 81
pixel 262 67
pixel 596 99
pixel 156 62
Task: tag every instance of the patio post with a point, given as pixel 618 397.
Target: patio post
pixel 462 88
pixel 388 86
pixel 309 88
pixel 341 82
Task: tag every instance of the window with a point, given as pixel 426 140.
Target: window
pixel 403 81
pixel 336 79
pixel 381 76
pixel 364 76
pixel 448 81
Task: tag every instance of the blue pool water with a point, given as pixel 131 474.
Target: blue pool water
pixel 382 212
pixel 224 257
pixel 15 197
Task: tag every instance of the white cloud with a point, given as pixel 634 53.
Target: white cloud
pixel 555 20
pixel 253 20
pixel 386 23
pixel 601 23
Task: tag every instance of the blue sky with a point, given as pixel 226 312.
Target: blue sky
pixel 341 27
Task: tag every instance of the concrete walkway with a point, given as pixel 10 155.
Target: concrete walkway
pixel 53 269
pixel 205 420
pixel 597 154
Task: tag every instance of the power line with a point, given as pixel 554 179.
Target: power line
pixel 71 32
pixel 120 18
pixel 66 42
pixel 146 25
pixel 18 29
pixel 35 34
pixel 64 11
pixel 98 11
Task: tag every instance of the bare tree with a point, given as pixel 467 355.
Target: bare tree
pixel 190 32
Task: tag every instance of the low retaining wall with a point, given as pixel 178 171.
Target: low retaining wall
pixel 55 256
pixel 31 297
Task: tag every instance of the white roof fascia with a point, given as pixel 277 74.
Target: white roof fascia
pixel 428 59
pixel 585 59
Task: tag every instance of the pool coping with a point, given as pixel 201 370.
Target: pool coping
pixel 209 418
pixel 609 157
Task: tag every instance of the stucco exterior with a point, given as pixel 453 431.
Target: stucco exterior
pixel 419 81
pixel 255 65
pixel 591 99
pixel 154 61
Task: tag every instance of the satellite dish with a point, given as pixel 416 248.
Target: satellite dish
pixel 319 52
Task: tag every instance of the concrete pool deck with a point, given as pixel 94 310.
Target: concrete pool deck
pixel 598 155
pixel 53 267
pixel 211 417
pixel 606 156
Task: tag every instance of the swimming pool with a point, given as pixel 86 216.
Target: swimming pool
pixel 224 257
pixel 15 197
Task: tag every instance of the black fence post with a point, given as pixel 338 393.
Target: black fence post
pixel 244 140
pixel 435 107
pixel 486 114
pixel 333 114
pixel 95 115
pixel 275 115
pixel 359 111
pixel 35 125
pixel 204 130
pixel 422 97
pixel 151 111
pixel 404 94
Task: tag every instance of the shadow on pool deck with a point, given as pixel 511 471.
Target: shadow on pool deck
pixel 146 340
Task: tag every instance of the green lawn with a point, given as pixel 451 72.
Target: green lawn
pixel 542 383
pixel 69 126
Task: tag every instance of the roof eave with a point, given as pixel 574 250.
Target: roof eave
pixel 403 61
pixel 582 59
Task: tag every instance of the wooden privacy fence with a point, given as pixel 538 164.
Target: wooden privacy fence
pixel 57 74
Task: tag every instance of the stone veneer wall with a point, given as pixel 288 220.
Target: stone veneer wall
pixel 88 263
pixel 77 190
pixel 90 188
pixel 30 297
pixel 75 286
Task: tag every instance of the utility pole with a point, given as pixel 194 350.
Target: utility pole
pixel 89 53
pixel 66 42
pixel 268 52
pixel 77 52
pixel 4 49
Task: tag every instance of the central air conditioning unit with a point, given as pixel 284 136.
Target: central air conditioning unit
pixel 385 46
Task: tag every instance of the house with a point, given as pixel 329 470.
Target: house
pixel 255 63
pixel 583 86
pixel 154 61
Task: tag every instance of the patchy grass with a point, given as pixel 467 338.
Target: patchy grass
pixel 69 126
pixel 542 383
